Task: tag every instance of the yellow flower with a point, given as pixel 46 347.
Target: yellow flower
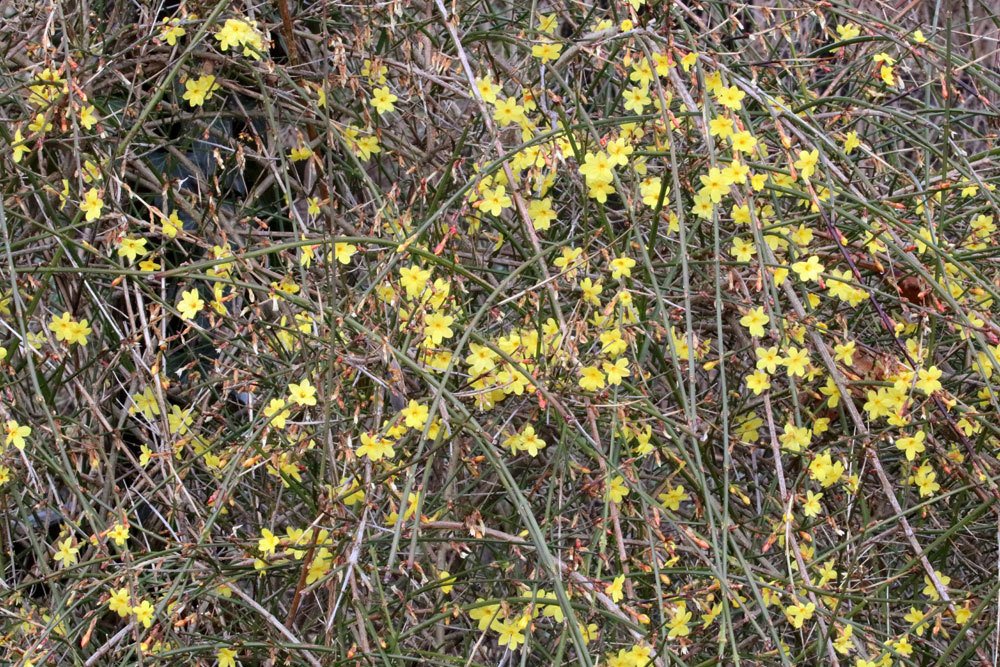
pixel 131 248
pixel 616 371
pixel 636 99
pixel 591 378
pixel 485 614
pixel 87 118
pixel 40 124
pixel 825 471
pixel 20 146
pixel 847 31
pixel 119 534
pixel 755 320
pixel 809 270
pixel 924 478
pixel 541 213
pixel 616 489
pixel 145 403
pixel 620 150
pixel 730 97
pixel 414 280
pixel 447 581
pixel 276 412
pixel 415 414
pixel 351 493
pixel 650 189
pixel 796 361
pixel 481 359
pixel 268 542
pixel 362 146
pixel 912 445
pixel 673 497
pixel 236 32
pixel 508 112
pixel 621 266
pixel 190 304
pixel 179 421
pixel 67 329
pixel 48 86
pixel 92 204
pixel 797 614
pixel 845 352
pixel 612 343
pixel 851 142
pixel 736 172
pixel 383 100
pixel 172 224
pixel 962 616
pixel 375 448
pixel 826 572
pixel 930 590
pixel 589 632
pixel 569 261
pixel 614 589
pixel 300 153
pixel 120 602
pixel 903 646
pixel 715 184
pixel 917 620
pixel 662 63
pixel 196 91
pixel 795 438
pixel 510 632
pixel 758 382
pixel 546 51
pixel 487 89
pixel 887 75
pixel 143 613
pixel 928 380
pixel 344 252
pixel 66 553
pixel 528 441
pixel 811 507
pixel 743 250
pixel 15 434
pixel 597 168
pixel 437 327
pixel 801 235
pixel 678 623
pixel 806 164
pixel 743 142
pixel 374 71
pixel 302 393
pixel 600 191
pixel 494 201
pixel 171 30
pixel 547 23
pixel 226 657
pixel 721 127
pixel 591 291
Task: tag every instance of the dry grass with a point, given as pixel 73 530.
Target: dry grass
pixel 528 517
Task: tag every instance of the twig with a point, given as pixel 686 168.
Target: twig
pixel 110 644
pixel 278 625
